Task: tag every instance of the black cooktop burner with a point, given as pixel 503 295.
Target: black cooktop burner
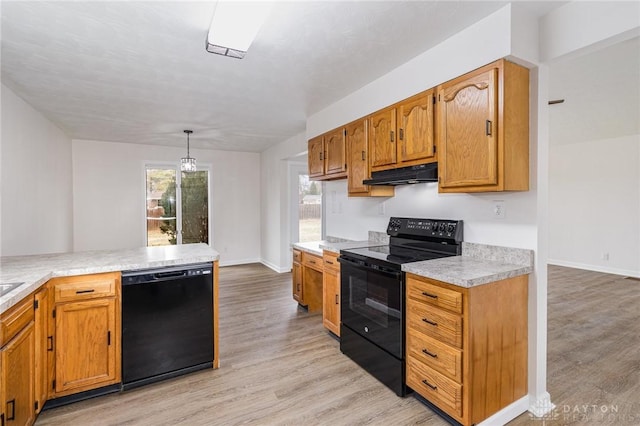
pixel 396 255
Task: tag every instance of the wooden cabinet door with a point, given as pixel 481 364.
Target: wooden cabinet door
pixel 416 130
pixel 382 138
pixel 316 157
pixel 298 294
pixel 17 378
pixel 356 140
pixel 467 130
pixel 331 301
pixel 42 346
pixel 86 334
pixel 335 156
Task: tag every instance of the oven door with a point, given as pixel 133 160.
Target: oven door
pixel 372 303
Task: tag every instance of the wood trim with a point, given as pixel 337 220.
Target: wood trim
pixel 15 319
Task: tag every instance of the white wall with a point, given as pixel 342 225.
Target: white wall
pixel 109 195
pixel 275 217
pixel 595 205
pixel 36 210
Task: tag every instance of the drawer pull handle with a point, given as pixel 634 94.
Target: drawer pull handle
pixel 433 323
pixel 430 385
pixel 85 291
pixel 433 296
pixel 11 416
pixel 430 354
pixel 337 299
pixel 49 343
pixel 329 262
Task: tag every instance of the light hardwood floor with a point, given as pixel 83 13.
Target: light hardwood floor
pixel 279 366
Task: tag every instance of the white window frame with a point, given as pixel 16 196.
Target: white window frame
pixel 175 166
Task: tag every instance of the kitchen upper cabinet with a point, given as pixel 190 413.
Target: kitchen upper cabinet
pixel 316 157
pixel 327 156
pixel 335 154
pixel 382 138
pixel 87 332
pixel 358 162
pixel 416 143
pixel 403 134
pixel 483 130
pixel 17 362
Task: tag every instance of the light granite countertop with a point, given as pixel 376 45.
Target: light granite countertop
pixel 316 247
pixel 479 264
pixel 35 270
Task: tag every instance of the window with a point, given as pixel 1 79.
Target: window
pixel 309 209
pixel 177 205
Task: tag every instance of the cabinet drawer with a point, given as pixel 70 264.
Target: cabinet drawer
pixel 15 319
pixel 434 295
pixel 297 256
pixel 330 261
pixel 435 387
pixel 443 358
pixel 434 322
pixel 312 261
pixel 85 287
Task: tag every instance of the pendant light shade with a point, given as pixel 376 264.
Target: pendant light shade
pixel 188 164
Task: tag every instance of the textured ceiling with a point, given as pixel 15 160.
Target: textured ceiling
pixel 138 72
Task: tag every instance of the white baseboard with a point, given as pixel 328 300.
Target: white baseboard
pixel 542 407
pixel 596 268
pixel 508 413
pixel 274 267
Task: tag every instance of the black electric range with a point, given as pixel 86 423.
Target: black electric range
pixel 372 329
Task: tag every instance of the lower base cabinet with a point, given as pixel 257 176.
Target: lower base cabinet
pixel 467 347
pixel 86 339
pixel 307 280
pixel 331 292
pixel 17 366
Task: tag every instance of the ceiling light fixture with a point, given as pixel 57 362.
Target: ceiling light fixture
pixel 234 26
pixel 188 164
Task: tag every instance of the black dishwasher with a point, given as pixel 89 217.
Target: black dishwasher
pixel 167 323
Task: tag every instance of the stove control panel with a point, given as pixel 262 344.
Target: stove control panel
pixel 441 229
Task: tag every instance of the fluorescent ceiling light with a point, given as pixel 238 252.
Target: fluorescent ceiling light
pixel 235 25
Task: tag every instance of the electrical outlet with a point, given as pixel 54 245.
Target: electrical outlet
pixel 381 209
pixel 499 210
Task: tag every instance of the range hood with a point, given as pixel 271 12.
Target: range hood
pixel 405 175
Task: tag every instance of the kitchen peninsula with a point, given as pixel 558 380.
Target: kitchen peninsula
pixel 61 322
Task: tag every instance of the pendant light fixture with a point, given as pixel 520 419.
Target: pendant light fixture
pixel 188 164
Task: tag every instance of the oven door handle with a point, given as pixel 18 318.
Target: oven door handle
pixel 364 266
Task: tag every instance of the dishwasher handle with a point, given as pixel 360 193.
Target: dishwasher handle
pixel 162 275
